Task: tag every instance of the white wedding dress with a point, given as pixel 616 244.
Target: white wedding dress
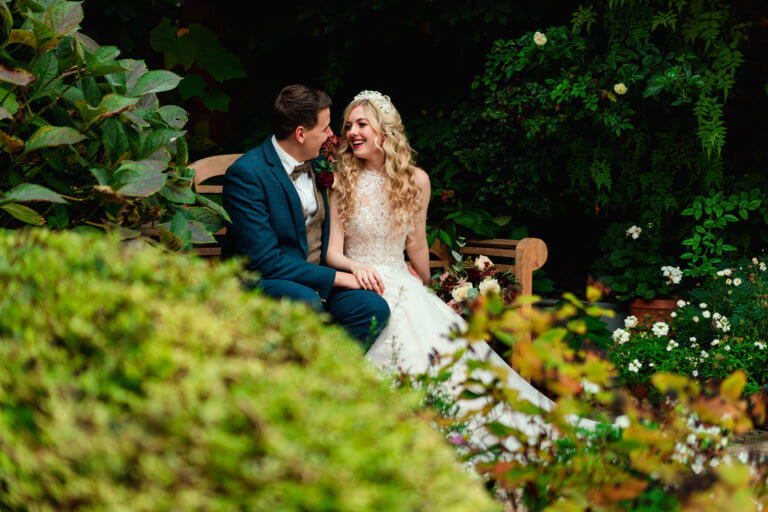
pixel 419 321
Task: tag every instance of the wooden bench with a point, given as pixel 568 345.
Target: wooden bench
pixel 522 256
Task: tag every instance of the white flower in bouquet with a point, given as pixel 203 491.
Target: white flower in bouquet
pixel 459 292
pixel 483 263
pixel 754 260
pixel 620 89
pixel 620 336
pixel 681 303
pixel 489 285
pixel 725 272
pixel 703 305
pixel 762 266
pixel 634 232
pixel 695 373
pixel 695 319
pixel 630 322
pixel 706 314
pixel 539 38
pixel 635 366
pixel 715 342
pixel 736 281
pixel 660 329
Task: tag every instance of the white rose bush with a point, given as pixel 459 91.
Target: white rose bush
pixel 721 327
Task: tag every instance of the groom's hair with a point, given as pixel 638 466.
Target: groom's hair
pixel 297 105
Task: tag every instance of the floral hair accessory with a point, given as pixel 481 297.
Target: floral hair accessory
pixel 380 101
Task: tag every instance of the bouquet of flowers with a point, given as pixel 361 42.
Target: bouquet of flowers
pixel 326 164
pixel 468 279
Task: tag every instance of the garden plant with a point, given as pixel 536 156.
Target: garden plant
pixel 84 134
pixel 137 379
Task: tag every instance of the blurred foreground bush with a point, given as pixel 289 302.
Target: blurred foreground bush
pixel 137 380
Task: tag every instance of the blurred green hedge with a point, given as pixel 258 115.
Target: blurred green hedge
pixel 138 380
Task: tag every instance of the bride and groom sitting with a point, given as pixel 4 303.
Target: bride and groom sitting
pixel 343 252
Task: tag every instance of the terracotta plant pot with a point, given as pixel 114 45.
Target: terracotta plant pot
pixel 650 311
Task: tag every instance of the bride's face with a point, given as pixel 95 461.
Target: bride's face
pixel 361 136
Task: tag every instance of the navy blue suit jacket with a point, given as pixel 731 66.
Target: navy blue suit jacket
pixel 268 221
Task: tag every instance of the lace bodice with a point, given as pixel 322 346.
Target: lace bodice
pixel 372 235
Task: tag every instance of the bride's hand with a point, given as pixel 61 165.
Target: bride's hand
pixel 367 276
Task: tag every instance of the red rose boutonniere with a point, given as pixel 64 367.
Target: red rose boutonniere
pixel 327 165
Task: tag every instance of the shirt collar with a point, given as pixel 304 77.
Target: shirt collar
pixel 289 163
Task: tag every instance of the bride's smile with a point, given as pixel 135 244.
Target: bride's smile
pixel 361 136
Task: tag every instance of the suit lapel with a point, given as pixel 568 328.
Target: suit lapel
pixel 277 169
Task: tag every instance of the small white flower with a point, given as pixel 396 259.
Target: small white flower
pixel 634 232
pixel 540 39
pixel 706 314
pixel 635 366
pixel 660 329
pixel 754 260
pixel 692 339
pixel 620 336
pixel 727 348
pixel 728 281
pixel 716 316
pixel 736 281
pixel 715 342
pixel 760 345
pixel 651 364
pixel 681 303
pixel 620 89
pixel 673 314
pixel 483 263
pixel 630 322
pixel 695 319
pixel 762 266
pixel 695 373
pixel 622 422
pixel 704 354
pixel 725 272
pixel 674 274
pixel 590 387
pixel 703 305
pixel 489 285
pixel 743 456
pixel 459 292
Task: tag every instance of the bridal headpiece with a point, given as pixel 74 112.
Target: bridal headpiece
pixel 380 101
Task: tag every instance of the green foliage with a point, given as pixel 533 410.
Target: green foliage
pixel 84 134
pixel 197 47
pixel 712 215
pixel 723 327
pixel 140 380
pixel 631 266
pixel 636 458
pixel 622 112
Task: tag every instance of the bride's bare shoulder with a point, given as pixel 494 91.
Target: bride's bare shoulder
pixel 421 177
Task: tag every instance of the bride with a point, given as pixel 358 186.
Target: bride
pixel 378 209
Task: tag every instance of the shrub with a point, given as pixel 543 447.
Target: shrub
pixel 137 380
pixel 84 134
pixel 723 327
pixel 637 457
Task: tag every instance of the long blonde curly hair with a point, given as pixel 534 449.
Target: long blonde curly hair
pixel 405 195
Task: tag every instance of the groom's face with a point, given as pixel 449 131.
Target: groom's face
pixel 314 138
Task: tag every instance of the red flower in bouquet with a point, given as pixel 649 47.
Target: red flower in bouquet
pixel 326 166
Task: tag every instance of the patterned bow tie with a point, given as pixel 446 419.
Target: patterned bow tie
pixel 300 169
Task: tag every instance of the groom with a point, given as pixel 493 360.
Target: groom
pixel 280 218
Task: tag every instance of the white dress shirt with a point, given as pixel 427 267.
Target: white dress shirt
pixel 303 184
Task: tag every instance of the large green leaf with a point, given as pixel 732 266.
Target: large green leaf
pixel 16 76
pixel 213 205
pixel 137 180
pixel 63 17
pixel 48 136
pixel 175 117
pixel 25 37
pixel 24 213
pixel 177 193
pixel 27 192
pixel 110 105
pixel 155 81
pixel 210 220
pixel 115 141
pixel 46 69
